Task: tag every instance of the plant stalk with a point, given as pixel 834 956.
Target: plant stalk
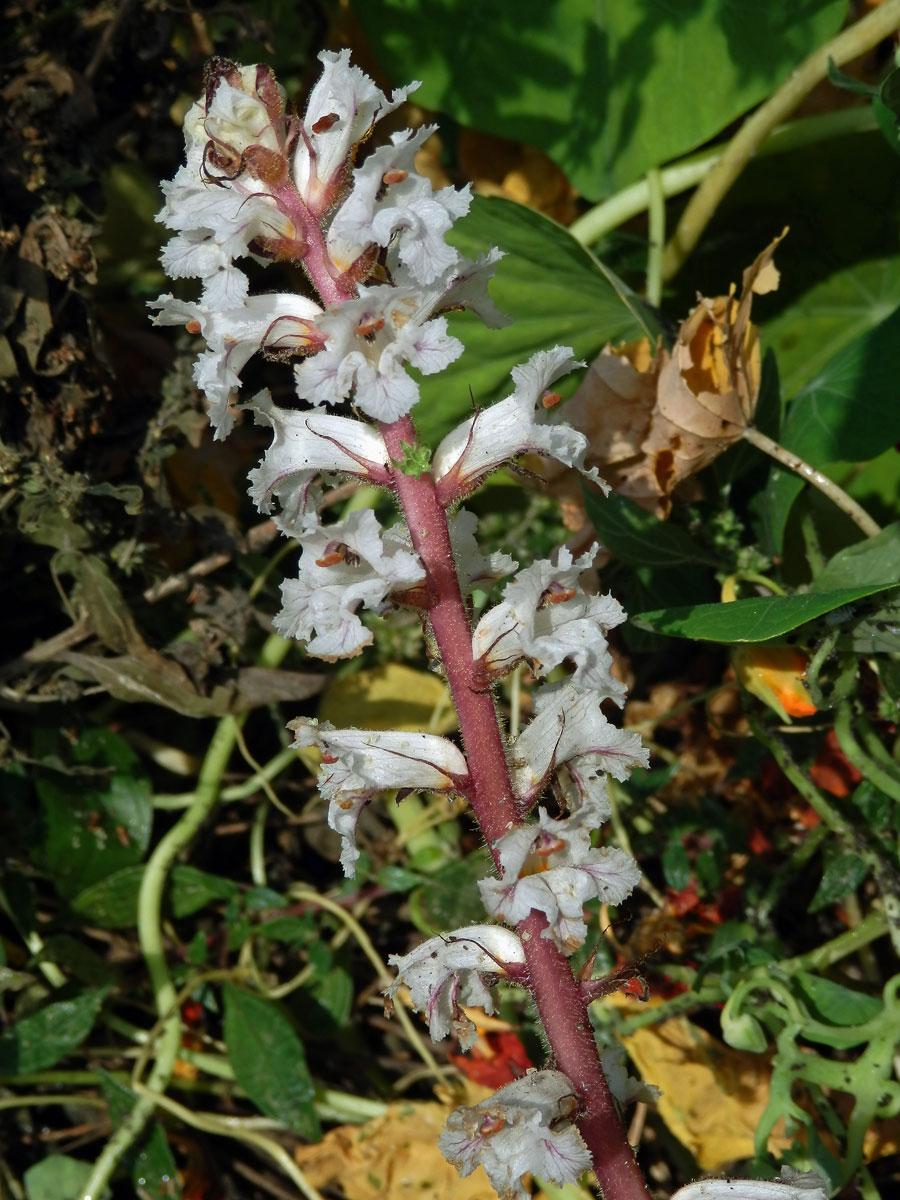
pixel 562 1008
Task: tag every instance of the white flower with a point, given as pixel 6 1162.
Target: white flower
pixel 509 428
pixel 524 1128
pixel 342 110
pixel 342 567
pixel 546 619
pixel 569 729
pixel 368 341
pixel 550 867
pixel 305 444
pixel 391 205
pixel 456 968
pixel 277 324
pixel 225 200
pixel 357 764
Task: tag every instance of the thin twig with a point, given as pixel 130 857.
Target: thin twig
pixel 827 486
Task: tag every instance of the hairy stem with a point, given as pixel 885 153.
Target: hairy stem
pixel 556 993
pixel 850 43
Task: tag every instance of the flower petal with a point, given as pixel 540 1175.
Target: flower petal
pixel 509 428
pixel 524 1128
pixel 453 969
pixel 342 567
pixel 304 445
pixel 357 764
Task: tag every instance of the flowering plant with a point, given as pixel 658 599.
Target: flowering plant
pixel 261 183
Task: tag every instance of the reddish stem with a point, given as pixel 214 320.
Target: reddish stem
pixel 562 1009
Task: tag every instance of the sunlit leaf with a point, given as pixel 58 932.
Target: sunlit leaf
pixel 755 620
pixel 606 91
pixel 556 293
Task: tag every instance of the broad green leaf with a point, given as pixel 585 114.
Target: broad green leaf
pixel 112 903
pixel 847 413
pixel 607 90
pixel 755 620
pixel 153 1171
pixel 269 1062
pixel 843 874
pixel 293 930
pixel 638 538
pixel 834 1004
pixel 97 815
pixel 830 316
pixel 40 1040
pixel 57 1177
pixel 875 561
pixel 555 291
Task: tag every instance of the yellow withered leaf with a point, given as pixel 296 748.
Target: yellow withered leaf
pixel 392 696
pixel 393 1157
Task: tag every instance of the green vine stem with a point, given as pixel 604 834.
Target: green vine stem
pixel 231 1127
pixel 304 896
pixel 688 172
pixel 656 236
pixel 885 873
pixel 858 38
pixel 238 791
pixel 884 779
pixel 150 936
pixel 827 486
pixel 869 930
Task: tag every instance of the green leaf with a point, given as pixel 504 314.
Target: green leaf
pixel 293 930
pixel 555 291
pixel 835 1004
pixel 606 90
pixel 829 316
pixel 191 889
pixel 843 874
pixel 675 863
pixel 57 1177
pixel 112 903
pixel 334 991
pixel 875 561
pixel 847 413
pixel 97 815
pixel 639 539
pixel 269 1062
pixel 40 1040
pixel 756 620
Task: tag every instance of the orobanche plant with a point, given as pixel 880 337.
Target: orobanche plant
pixel 261 183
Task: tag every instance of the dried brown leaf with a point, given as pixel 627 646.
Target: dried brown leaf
pixel 655 418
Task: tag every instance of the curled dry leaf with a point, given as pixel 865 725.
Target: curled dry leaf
pixel 654 417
